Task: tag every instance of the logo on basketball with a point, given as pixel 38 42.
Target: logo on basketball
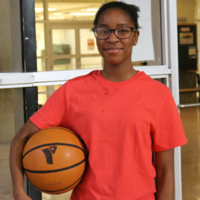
pixel 48 152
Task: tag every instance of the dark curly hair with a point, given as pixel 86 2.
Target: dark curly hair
pixel 129 9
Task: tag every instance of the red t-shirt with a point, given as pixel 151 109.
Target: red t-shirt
pixel 118 122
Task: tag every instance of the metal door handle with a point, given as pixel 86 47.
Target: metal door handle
pixel 188 105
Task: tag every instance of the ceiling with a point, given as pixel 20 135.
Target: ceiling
pixel 67 10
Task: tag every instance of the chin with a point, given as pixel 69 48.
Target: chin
pixel 114 62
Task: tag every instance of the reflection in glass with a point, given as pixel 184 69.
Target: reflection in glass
pixel 65 196
pixel 42 89
pixel 88 42
pixel 42 98
pixel 42 95
pixel 41 65
pixel 40 39
pixel 64 64
pixel 154 21
pixel 64 38
pixel 73 10
pixel 63 41
pixel 91 62
pixel 56 87
pixel 39 11
pixel 44 92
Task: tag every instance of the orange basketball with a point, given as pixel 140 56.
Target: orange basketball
pixel 54 160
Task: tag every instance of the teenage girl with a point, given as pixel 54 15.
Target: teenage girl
pixel 123 116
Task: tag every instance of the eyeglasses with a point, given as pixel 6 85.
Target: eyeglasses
pixel 120 32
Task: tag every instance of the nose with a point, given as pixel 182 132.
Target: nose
pixel 112 37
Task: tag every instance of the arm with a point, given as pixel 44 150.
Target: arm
pixel 165 175
pixel 16 150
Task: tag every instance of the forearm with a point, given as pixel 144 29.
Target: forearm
pixel 165 175
pixel 16 169
pixel 16 150
pixel 165 185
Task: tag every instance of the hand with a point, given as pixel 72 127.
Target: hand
pixel 21 196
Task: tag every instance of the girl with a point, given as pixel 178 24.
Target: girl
pixel 122 115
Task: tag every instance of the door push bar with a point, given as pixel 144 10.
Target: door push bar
pixel 188 105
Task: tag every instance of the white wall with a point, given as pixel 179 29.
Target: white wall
pixel 186 10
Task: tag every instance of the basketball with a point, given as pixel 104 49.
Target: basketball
pixel 54 160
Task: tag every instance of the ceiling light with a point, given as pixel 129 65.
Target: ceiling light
pixel 56 17
pixel 52 9
pixel 82 13
pixel 39 9
pixel 92 9
pixel 57 13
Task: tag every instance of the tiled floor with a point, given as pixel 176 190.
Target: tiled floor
pixel 191 154
pixel 190 162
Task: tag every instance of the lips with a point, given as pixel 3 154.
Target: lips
pixel 112 50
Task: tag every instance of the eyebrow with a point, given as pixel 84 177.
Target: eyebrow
pixel 122 24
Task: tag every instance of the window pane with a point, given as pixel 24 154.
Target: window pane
pixel 65 196
pixel 42 98
pixel 148 50
pixel 41 65
pixel 64 64
pixel 77 11
pixel 63 41
pixel 56 87
pixel 44 92
pixel 39 11
pixel 40 39
pixel 88 42
pixel 91 62
pixel 43 95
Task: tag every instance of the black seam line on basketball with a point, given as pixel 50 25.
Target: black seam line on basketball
pixel 44 145
pixel 52 171
pixel 65 129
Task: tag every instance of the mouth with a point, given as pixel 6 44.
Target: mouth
pixel 112 50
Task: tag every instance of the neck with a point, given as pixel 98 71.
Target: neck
pixel 118 73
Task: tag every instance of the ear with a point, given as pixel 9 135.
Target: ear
pixel 135 38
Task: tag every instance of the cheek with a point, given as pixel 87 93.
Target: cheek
pixel 99 46
pixel 129 46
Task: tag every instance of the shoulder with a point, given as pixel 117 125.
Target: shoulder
pixel 78 81
pixel 151 85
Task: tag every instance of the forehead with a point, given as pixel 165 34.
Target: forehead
pixel 114 16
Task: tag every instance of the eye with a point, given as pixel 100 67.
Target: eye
pixel 123 30
pixel 102 31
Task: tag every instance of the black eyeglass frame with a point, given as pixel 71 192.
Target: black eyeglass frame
pixel 132 30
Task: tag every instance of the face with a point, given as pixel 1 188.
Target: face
pixel 116 51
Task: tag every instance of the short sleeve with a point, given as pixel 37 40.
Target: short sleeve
pixel 53 112
pixel 169 132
